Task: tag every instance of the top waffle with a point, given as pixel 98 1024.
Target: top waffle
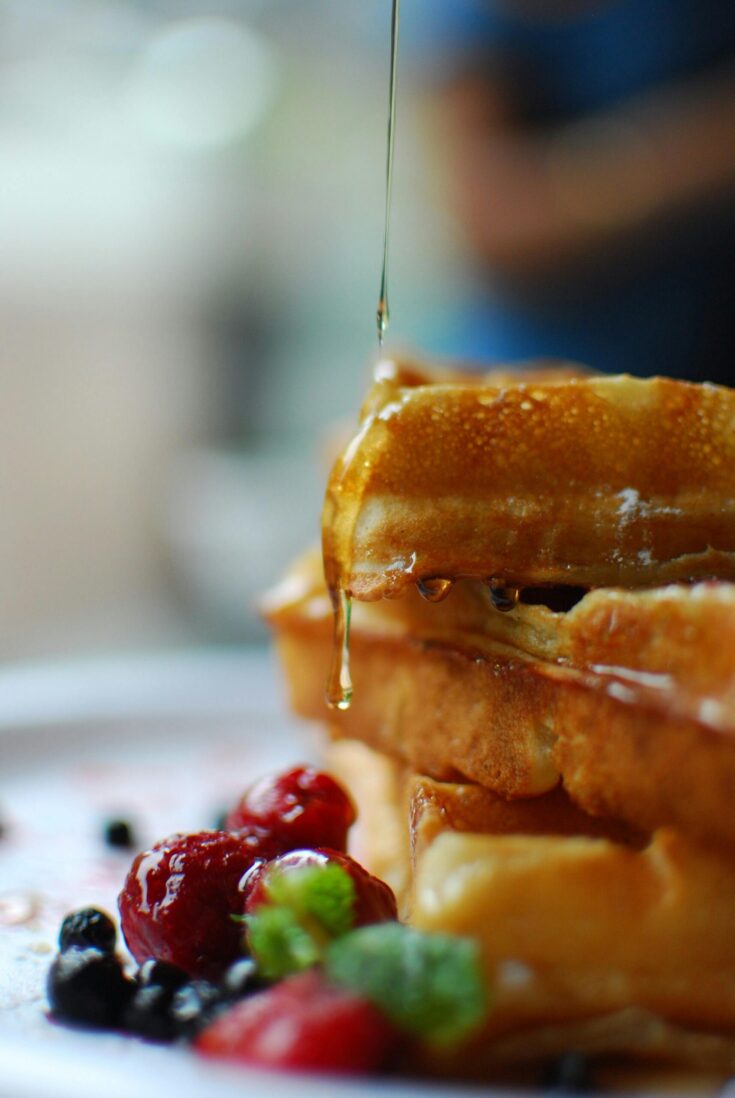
pixel 533 479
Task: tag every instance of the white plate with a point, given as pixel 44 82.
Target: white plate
pixel 166 743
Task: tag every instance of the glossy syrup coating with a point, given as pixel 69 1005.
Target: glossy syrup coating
pixel 302 807
pixel 179 897
pixel 544 479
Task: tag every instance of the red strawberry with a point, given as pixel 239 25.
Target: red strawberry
pixel 301 808
pixel 374 900
pixel 178 899
pixel 303 1024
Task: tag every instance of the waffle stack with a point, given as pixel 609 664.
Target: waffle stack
pixel 542 731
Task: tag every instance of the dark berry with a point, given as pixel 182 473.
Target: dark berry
pixel 178 901
pixel 88 987
pixel 374 900
pixel 120 834
pixel 220 820
pixel 88 928
pixel 149 1013
pixel 193 1006
pixel 241 979
pixel 303 1024
pixel 569 1073
pixel 161 974
pixel 301 808
pixel 166 1004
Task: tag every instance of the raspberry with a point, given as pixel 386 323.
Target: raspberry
pixel 178 899
pixel 298 809
pixel 374 900
pixel 302 1024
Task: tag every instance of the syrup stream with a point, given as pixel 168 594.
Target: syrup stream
pixel 339 683
pixel 383 311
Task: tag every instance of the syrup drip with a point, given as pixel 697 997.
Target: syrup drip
pixel 383 311
pixel 503 598
pixel 339 683
pixel 434 589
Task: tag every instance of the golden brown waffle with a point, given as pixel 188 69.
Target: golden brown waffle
pixel 538 731
pixel 630 696
pixel 592 938
pixel 598 481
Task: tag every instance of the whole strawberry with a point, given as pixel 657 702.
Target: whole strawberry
pixel 301 808
pixel 373 902
pixel 305 1025
pixel 179 897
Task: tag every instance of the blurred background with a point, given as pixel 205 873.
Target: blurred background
pixel 191 205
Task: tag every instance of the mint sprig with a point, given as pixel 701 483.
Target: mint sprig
pixel 279 944
pixel 325 893
pixel 428 984
pixel 306 909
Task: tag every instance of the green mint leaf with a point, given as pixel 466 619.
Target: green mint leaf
pixel 278 942
pixel 322 894
pixel 307 908
pixel 429 984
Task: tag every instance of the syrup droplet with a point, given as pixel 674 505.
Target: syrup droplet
pixel 503 598
pixel 339 683
pixel 383 318
pixel 434 588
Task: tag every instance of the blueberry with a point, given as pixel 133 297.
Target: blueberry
pixel 161 974
pixel 570 1072
pixel 241 979
pixel 219 823
pixel 193 1006
pixel 88 928
pixel 148 1014
pixel 119 834
pixel 167 1004
pixel 88 986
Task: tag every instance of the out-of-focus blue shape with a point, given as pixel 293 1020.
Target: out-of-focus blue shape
pixel 668 307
